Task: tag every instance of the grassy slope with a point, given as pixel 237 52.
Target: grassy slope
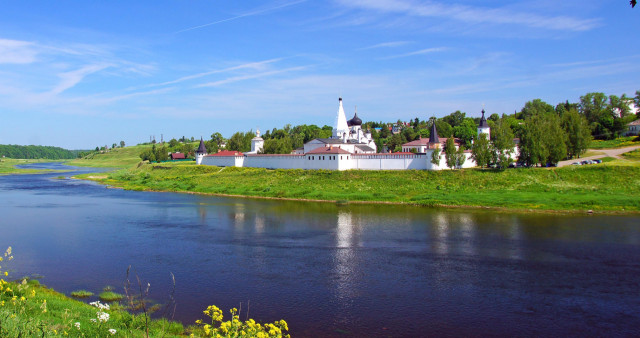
pixel 608 187
pixel 620 142
pixel 115 158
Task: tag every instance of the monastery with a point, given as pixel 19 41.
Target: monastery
pixel 348 148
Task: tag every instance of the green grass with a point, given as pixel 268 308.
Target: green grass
pixel 612 187
pixel 620 142
pixel 633 155
pixel 110 296
pixel 81 294
pixel 114 158
pixel 46 313
pixel 7 166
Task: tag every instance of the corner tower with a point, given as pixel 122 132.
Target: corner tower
pixel 201 152
pixel 483 128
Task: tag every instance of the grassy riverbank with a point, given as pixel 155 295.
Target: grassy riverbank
pixel 610 187
pixel 8 166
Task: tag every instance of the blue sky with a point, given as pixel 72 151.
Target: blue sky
pixel 78 74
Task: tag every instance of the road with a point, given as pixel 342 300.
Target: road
pixel 615 153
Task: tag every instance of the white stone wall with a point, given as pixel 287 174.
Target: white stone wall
pixel 335 161
pixel 275 161
pixel 224 161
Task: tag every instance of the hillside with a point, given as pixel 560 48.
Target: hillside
pixel 114 158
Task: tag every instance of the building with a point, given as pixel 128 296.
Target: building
pixel 633 128
pixel 350 147
pixel 177 156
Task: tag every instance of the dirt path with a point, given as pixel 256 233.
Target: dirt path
pixel 615 153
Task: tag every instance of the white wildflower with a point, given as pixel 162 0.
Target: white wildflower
pixel 77 325
pixel 103 317
pixel 112 331
pixel 100 305
pixel 93 320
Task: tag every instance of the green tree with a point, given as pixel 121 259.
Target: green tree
pixel 444 129
pixel 535 107
pixel 636 101
pixel 121 144
pixel 480 151
pixel 460 157
pixel 502 144
pixel 454 119
pixel 466 131
pixel 435 156
pixel 578 133
pixel 450 153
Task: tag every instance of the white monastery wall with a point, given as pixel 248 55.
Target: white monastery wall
pixel 275 161
pixel 224 161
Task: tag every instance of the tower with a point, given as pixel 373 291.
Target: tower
pixel 483 128
pixel 341 129
pixel 257 143
pixel 201 152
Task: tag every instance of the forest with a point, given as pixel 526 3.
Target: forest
pixel 33 152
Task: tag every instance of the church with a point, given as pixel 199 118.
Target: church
pixel 349 148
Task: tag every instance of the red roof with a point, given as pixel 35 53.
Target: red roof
pixel 227 153
pixel 328 150
pixel 177 156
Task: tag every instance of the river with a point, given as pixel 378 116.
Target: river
pixel 331 270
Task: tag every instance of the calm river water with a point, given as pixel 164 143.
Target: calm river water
pixel 332 270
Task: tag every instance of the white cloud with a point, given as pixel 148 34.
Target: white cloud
pixel 251 76
pixel 72 78
pixel 471 14
pixel 17 52
pixel 251 13
pixel 390 44
pixel 418 52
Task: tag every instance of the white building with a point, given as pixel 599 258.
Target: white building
pixel 349 148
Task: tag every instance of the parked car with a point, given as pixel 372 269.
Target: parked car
pixel 576 163
pixel 597 161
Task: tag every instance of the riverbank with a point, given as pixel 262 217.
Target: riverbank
pixel 611 187
pixel 8 166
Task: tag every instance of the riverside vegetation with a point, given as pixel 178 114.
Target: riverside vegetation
pixel 608 187
pixel 28 309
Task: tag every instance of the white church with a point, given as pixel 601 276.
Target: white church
pixel 349 148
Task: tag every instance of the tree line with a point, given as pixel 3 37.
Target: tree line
pixel 33 152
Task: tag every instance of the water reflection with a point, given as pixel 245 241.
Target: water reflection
pixel 366 270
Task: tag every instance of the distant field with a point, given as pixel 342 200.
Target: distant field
pixel 620 142
pixel 114 158
pixel 614 186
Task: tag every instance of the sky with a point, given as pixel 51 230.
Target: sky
pixel 81 74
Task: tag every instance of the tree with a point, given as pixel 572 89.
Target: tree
pixel 578 133
pixel 240 141
pixel 466 131
pixel 636 101
pixel 450 153
pixel 502 144
pixel 535 107
pixel 435 156
pixel 460 157
pixel 454 119
pixel 480 151
pixel 444 129
pixel 121 144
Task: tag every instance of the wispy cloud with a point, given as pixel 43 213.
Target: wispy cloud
pixel 259 65
pixel 390 44
pixel 17 52
pixel 251 76
pixel 473 14
pixel 251 13
pixel 72 78
pixel 418 52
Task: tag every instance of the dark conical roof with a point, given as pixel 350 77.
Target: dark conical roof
pixel 433 138
pixel 483 121
pixel 201 147
pixel 355 121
